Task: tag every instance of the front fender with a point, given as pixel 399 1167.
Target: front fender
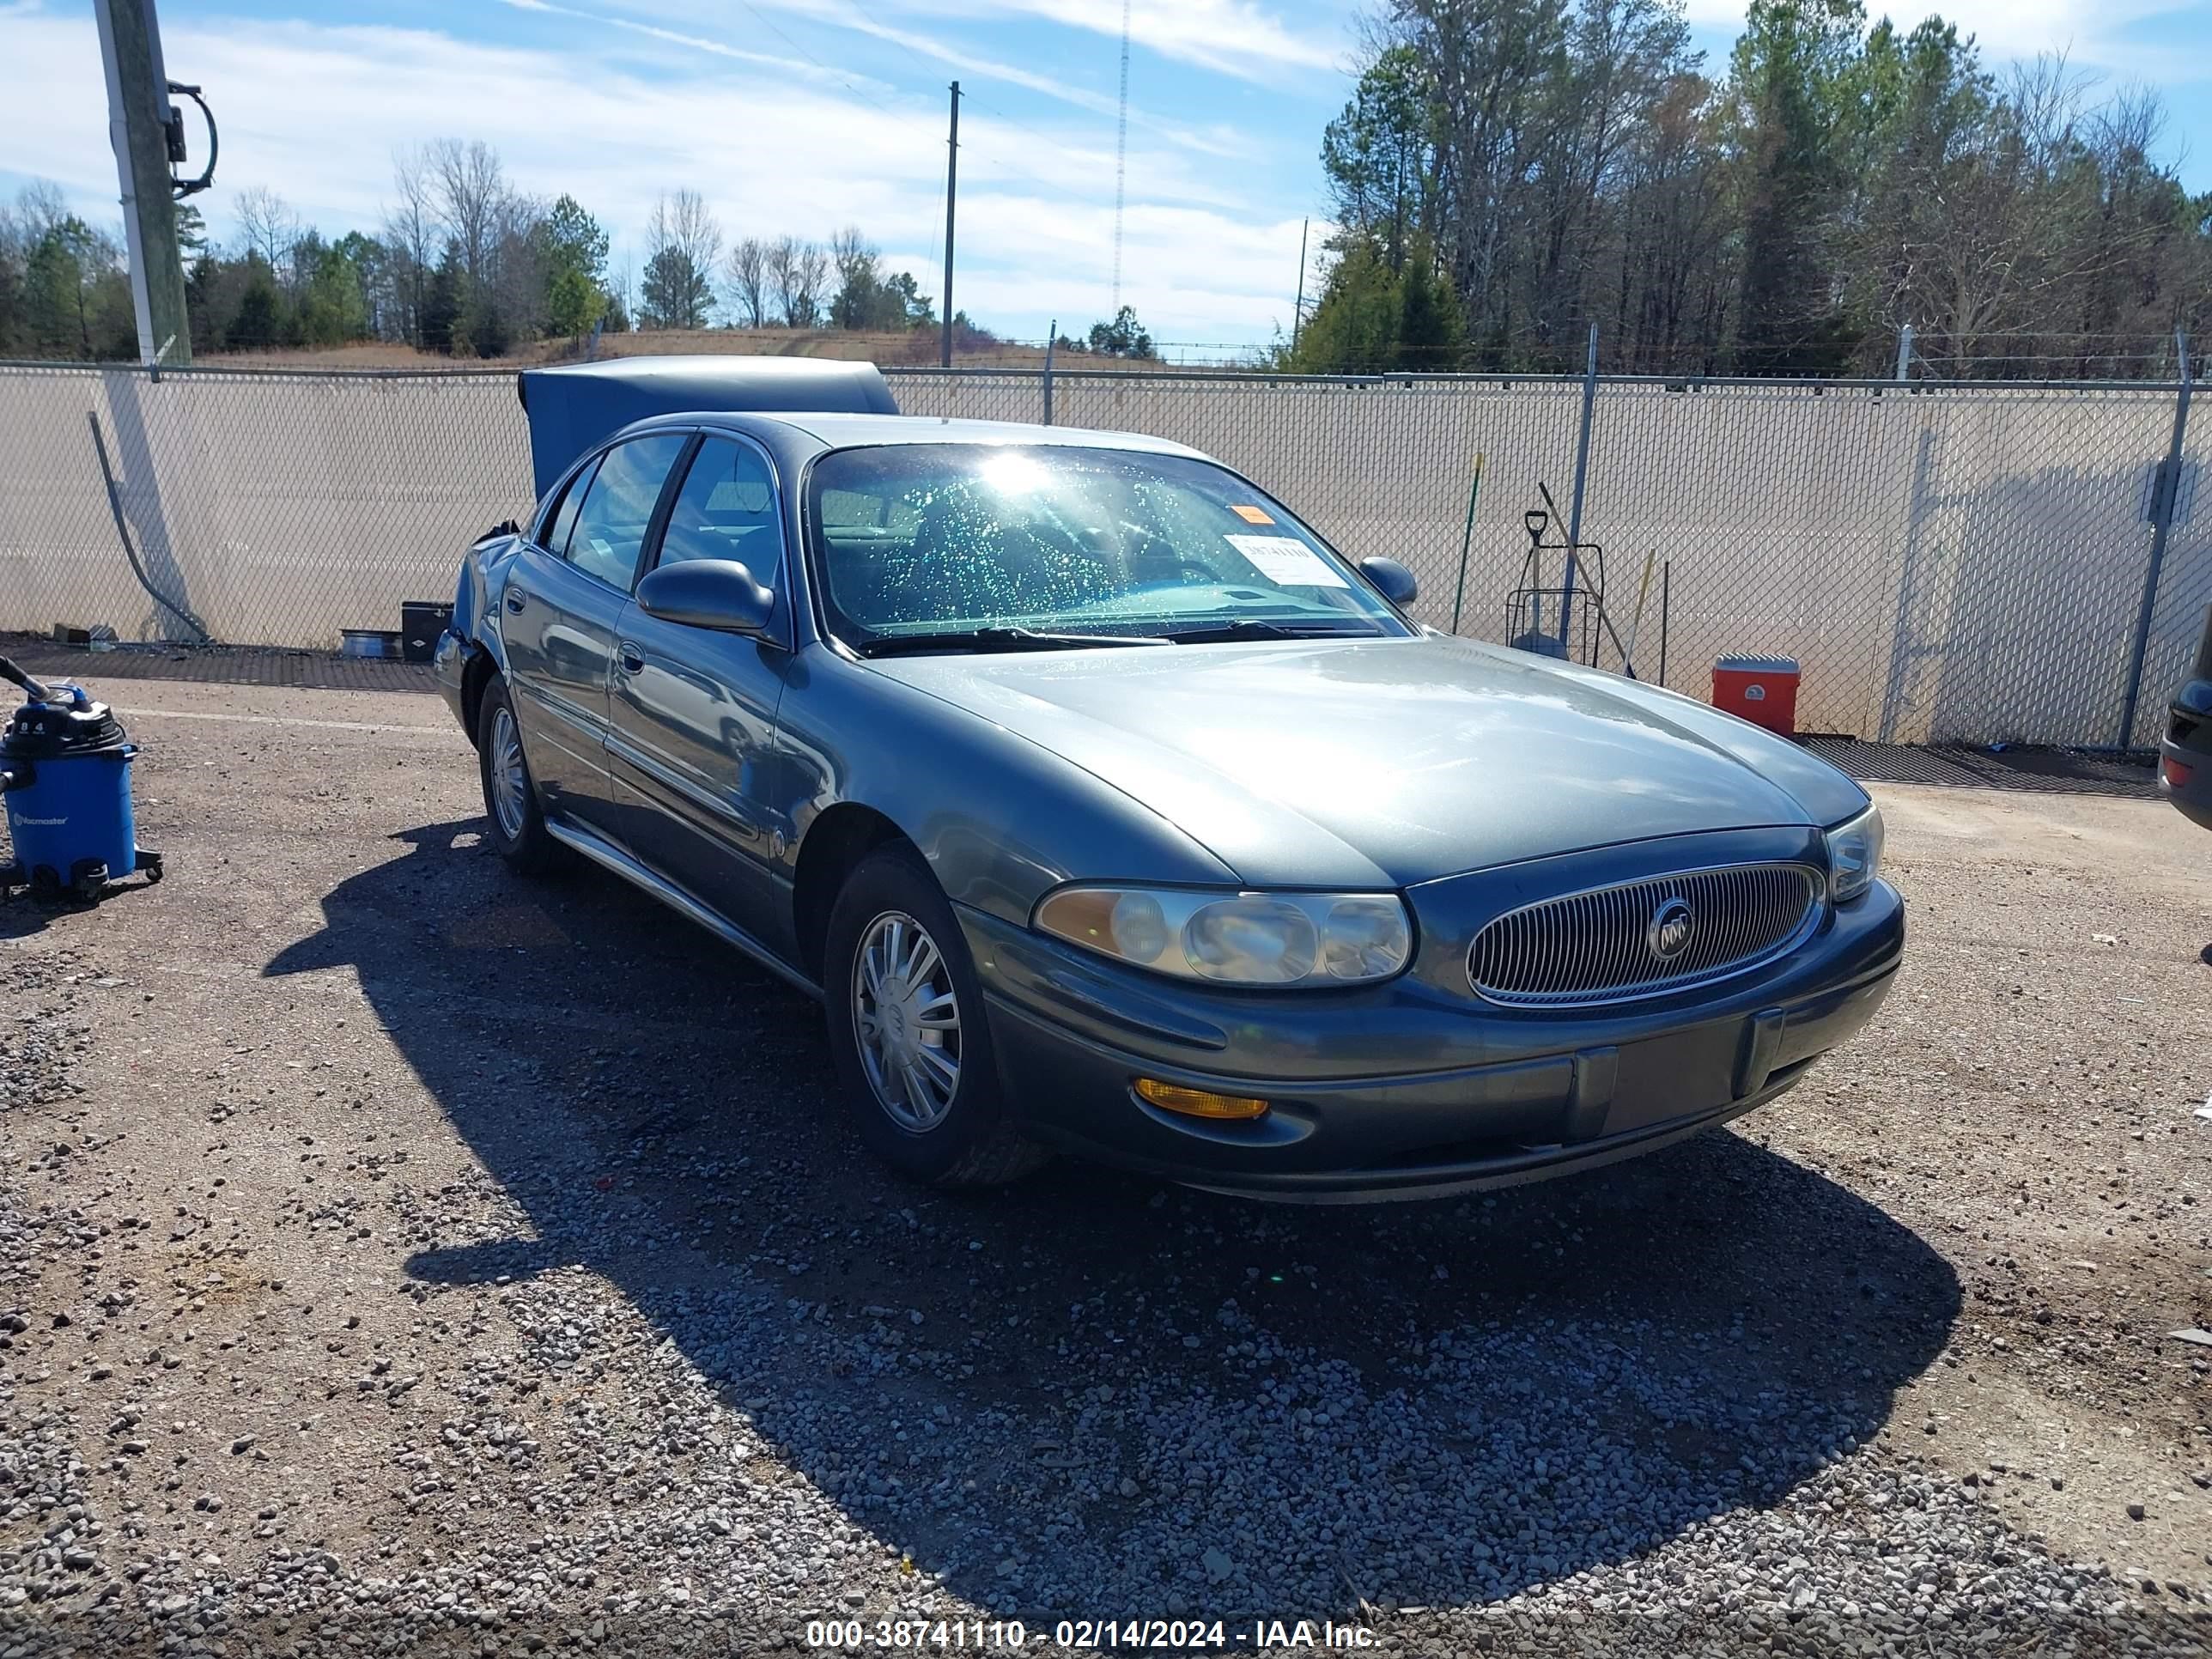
pixel 476 601
pixel 471 649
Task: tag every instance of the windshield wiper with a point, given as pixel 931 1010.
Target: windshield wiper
pixel 1256 627
pixel 995 639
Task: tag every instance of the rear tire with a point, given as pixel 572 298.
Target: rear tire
pixel 516 827
pixel 908 1033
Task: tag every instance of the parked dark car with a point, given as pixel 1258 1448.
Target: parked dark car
pixel 1108 810
pixel 2185 753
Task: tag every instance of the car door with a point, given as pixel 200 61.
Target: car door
pixel 691 738
pixel 563 599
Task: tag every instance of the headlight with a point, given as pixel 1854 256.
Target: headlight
pixel 1237 939
pixel 1855 855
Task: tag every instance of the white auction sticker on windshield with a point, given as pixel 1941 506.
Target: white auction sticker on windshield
pixel 1286 562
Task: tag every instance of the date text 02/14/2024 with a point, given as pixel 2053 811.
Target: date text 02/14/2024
pixel 1112 1635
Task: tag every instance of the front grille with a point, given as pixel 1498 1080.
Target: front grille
pixel 1645 938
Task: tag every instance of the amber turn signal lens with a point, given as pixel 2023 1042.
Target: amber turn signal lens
pixel 1199 1103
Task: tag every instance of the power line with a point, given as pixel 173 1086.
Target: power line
pixel 801 50
pixel 1008 161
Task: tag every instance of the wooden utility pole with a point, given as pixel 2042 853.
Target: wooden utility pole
pixel 138 124
pixel 951 192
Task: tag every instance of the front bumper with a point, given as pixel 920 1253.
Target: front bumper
pixel 449 664
pixel 1403 1091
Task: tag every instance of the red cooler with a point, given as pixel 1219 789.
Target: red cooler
pixel 1760 689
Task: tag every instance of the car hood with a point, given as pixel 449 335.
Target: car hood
pixel 1373 762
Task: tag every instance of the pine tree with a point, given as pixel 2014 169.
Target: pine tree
pixel 15 330
pixel 441 304
pixel 50 299
pixel 1125 337
pixel 1354 326
pixel 575 257
pixel 674 292
pixel 260 323
pixel 1428 331
pixel 1787 65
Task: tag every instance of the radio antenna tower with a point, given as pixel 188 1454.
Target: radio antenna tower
pixel 1121 157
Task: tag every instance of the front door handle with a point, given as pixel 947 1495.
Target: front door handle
pixel 516 599
pixel 632 658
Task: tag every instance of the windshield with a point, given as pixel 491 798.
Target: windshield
pixel 925 541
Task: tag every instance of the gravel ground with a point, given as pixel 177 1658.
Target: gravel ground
pixel 398 1256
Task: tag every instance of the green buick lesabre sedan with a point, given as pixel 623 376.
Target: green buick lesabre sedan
pixel 1108 810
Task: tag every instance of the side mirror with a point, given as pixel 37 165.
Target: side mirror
pixel 716 593
pixel 1392 580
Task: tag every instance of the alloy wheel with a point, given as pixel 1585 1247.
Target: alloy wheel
pixel 510 779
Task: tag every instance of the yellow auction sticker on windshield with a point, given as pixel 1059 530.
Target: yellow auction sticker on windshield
pixel 1286 562
pixel 1250 514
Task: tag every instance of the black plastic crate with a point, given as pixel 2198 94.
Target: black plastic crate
pixel 421 621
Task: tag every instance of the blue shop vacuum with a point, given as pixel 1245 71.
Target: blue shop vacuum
pixel 65 772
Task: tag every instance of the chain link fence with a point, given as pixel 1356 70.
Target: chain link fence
pixel 1953 563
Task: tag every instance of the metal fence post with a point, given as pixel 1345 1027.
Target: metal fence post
pixel 1049 340
pixel 1582 477
pixel 2166 490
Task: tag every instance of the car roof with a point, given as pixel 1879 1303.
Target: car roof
pixel 853 431
pixel 835 430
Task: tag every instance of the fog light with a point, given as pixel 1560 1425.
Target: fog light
pixel 2177 774
pixel 1199 1103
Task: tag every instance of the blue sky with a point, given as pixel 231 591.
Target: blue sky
pixel 800 116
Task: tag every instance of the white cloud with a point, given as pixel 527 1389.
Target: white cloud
pixel 315 114
pixel 925 40
pixel 804 68
pixel 1193 277
pixel 1235 37
pixel 2022 28
pixel 2088 32
pixel 1240 38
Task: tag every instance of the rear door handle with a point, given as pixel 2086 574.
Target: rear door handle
pixel 516 599
pixel 633 660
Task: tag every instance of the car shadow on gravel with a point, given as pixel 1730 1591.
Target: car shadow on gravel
pixel 1093 1396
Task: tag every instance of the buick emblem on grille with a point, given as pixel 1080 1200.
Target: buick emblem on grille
pixel 1656 937
pixel 1668 933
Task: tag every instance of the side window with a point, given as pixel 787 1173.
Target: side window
pixel 617 508
pixel 725 510
pixel 562 518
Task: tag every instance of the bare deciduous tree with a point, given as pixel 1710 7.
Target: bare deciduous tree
pixel 269 228
pixel 682 242
pixel 40 206
pixel 515 279
pixel 470 190
pixel 744 272
pixel 799 274
pixel 410 235
pixel 859 265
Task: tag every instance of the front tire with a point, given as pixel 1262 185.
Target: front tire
pixel 907 1030
pixel 517 831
